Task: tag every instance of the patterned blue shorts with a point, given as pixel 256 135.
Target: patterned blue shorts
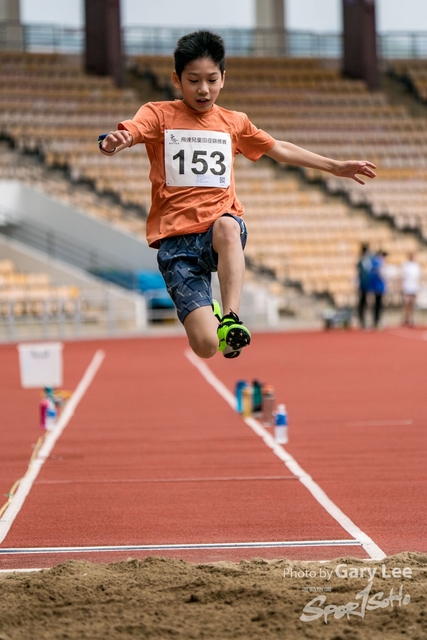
pixel 186 263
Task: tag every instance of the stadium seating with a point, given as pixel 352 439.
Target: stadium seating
pixel 414 73
pixel 299 233
pixel 307 238
pixel 33 294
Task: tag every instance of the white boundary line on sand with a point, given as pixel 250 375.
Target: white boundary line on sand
pixel 180 547
pixel 49 442
pixel 18 570
pixel 334 511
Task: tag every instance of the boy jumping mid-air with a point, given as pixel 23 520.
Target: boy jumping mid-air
pixel 195 220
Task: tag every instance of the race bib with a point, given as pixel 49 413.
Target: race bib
pixel 197 158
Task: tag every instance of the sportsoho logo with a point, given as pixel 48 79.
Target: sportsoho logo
pixel 364 600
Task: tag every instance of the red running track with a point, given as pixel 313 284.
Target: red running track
pixel 153 455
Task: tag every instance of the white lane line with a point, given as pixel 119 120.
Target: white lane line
pixel 18 571
pixel 154 480
pixel 380 423
pixel 181 547
pixel 45 450
pixel 372 549
pixel 409 335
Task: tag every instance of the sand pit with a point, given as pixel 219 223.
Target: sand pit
pixel 163 598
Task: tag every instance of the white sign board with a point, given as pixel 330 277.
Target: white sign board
pixel 40 364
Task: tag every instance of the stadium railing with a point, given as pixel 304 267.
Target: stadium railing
pixel 240 42
pixel 97 263
pixel 52 315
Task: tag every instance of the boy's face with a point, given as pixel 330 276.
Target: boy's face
pixel 200 83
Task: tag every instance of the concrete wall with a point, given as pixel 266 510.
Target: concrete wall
pixel 9 10
pixel 12 33
pixel 123 303
pixel 28 205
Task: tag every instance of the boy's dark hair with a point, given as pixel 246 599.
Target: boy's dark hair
pixel 199 44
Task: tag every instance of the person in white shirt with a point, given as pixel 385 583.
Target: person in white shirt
pixel 410 286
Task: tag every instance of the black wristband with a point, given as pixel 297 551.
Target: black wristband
pixel 101 139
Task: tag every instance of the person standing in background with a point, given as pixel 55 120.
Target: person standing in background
pixel 410 286
pixel 377 284
pixel 363 268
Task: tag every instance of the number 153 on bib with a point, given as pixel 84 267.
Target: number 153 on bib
pixel 197 158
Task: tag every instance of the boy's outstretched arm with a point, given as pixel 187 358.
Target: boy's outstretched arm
pixel 292 154
pixel 115 141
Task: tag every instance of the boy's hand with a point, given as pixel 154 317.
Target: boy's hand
pixel 350 169
pixel 115 141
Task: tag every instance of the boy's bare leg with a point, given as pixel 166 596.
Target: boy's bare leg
pixel 201 327
pixel 231 262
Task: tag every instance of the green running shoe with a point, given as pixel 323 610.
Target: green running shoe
pixel 217 310
pixel 233 336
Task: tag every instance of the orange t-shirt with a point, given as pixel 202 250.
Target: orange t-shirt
pixel 191 156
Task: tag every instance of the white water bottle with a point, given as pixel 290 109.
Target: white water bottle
pixel 50 417
pixel 281 425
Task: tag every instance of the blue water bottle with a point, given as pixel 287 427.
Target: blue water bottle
pixel 281 425
pixel 240 385
pixel 50 417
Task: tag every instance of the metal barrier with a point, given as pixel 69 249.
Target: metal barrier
pixel 239 42
pixel 102 311
pixel 401 45
pixel 60 245
pixel 90 313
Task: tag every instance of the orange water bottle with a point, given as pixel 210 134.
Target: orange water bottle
pixel 247 400
pixel 268 405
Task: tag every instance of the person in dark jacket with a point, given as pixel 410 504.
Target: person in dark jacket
pixel 363 270
pixel 377 284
